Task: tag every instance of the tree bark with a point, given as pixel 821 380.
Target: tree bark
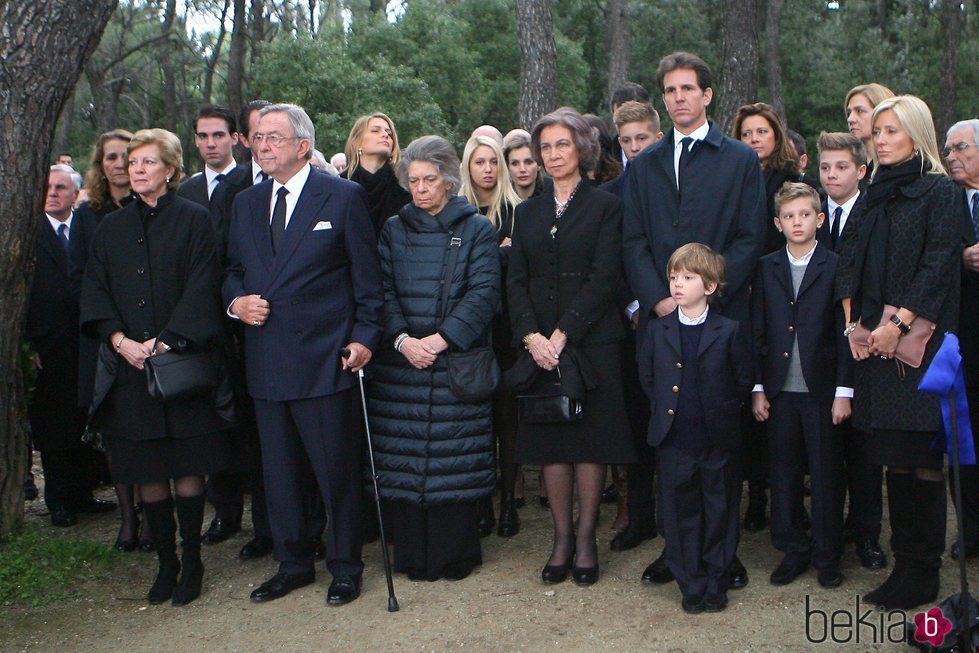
pixel 166 64
pixel 948 84
pixel 44 45
pixel 619 29
pixel 773 56
pixel 236 59
pixel 215 56
pixel 739 60
pixel 538 61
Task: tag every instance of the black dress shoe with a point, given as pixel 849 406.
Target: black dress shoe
pixel 30 489
pixel 658 572
pixel 754 516
pixel 509 524
pixel 94 505
pixel 62 517
pixel 787 572
pixel 738 574
pixel 585 575
pixel 715 602
pixel 487 519
pixel 280 585
pixel 220 530
pixel 692 604
pixel 830 576
pixel 319 550
pixel 870 554
pixel 556 573
pixel 343 590
pixel 257 547
pixel 632 536
pixel 126 546
pixel 970 551
pixel 610 494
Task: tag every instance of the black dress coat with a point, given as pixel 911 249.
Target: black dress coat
pixel 57 421
pixel 568 282
pixel 222 201
pixel 195 190
pixel 923 259
pixel 153 272
pixel 385 196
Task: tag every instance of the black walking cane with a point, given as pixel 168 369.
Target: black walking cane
pixel 392 599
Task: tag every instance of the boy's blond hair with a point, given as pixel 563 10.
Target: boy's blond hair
pixel 794 190
pixel 701 260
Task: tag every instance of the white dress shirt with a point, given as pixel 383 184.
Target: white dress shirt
pixel 212 177
pixel 698 134
pixel 256 173
pixel 693 321
pixel 56 223
pixel 295 187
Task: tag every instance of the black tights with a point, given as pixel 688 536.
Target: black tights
pixel 559 480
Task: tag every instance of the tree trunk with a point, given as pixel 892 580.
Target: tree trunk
pixel 619 29
pixel 216 56
pixel 63 134
pixel 538 61
pixel 739 60
pixel 236 60
pixel 166 63
pixel 773 56
pixel 948 84
pixel 56 38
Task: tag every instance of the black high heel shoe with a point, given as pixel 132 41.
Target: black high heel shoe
pixel 126 546
pixel 556 573
pixel 586 575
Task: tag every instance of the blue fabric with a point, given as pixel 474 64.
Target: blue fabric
pixel 944 378
pixel 689 429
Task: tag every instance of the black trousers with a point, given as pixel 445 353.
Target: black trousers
pixel 640 476
pixel 70 475
pixel 317 430
pixel 700 495
pixel 800 431
pixel 863 483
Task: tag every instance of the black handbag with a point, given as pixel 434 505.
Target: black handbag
pixel 473 374
pixel 549 405
pixel 174 374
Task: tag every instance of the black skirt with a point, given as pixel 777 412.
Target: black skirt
pixel 161 459
pixel 904 449
pixel 602 435
pixel 429 539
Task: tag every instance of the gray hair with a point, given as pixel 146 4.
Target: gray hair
pixel 585 137
pixel 971 122
pixel 76 179
pixel 302 126
pixel 437 151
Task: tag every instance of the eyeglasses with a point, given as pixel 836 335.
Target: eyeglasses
pixel 961 146
pixel 275 140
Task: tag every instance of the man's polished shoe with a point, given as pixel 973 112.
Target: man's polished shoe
pixel 715 602
pixel 93 505
pixel 739 575
pixel 343 590
pixel 257 547
pixel 658 572
pixel 280 585
pixel 62 517
pixel 220 530
pixel 632 536
pixel 830 576
pixel 787 572
pixel 870 554
pixel 970 551
pixel 692 604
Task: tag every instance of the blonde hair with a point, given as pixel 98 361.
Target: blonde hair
pixel 502 193
pixel 701 260
pixel 171 154
pixel 874 92
pixel 794 191
pixel 915 117
pixel 352 148
pixel 96 183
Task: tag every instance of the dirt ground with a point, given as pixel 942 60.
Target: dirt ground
pixel 503 606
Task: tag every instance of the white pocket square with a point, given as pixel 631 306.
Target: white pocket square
pixel 324 224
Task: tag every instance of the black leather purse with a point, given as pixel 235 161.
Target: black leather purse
pixel 174 374
pixel 473 374
pixel 548 404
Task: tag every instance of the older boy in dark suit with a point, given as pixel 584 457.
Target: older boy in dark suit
pixel 693 364
pixel 803 375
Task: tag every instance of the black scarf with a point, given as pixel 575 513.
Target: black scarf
pixel 871 273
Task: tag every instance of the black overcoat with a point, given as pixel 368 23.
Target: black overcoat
pixel 153 272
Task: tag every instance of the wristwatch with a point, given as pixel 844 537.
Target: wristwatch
pixel 900 324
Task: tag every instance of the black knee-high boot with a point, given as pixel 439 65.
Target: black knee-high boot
pixel 190 515
pixel 920 583
pixel 900 498
pixel 159 514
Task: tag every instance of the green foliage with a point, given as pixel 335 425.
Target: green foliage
pixel 37 568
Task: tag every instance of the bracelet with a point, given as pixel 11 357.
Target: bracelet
pixel 850 328
pixel 400 340
pixel 118 344
pixel 527 338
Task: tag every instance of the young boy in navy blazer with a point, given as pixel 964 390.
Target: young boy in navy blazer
pixel 694 366
pixel 803 374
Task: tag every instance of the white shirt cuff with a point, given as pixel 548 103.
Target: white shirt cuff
pixel 631 309
pixel 758 388
pixel 843 392
pixel 230 314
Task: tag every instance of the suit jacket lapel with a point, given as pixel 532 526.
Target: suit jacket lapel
pixel 711 327
pixel 666 160
pixel 259 215
pixel 309 207
pixel 813 270
pixel 51 244
pixel 782 273
pixel 671 327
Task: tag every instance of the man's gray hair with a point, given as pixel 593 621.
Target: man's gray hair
pixel 972 122
pixel 437 151
pixel 302 126
pixel 76 179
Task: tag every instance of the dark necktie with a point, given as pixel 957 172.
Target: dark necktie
pixel 975 213
pixel 279 218
pixel 686 150
pixel 835 231
pixel 264 176
pixel 63 236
